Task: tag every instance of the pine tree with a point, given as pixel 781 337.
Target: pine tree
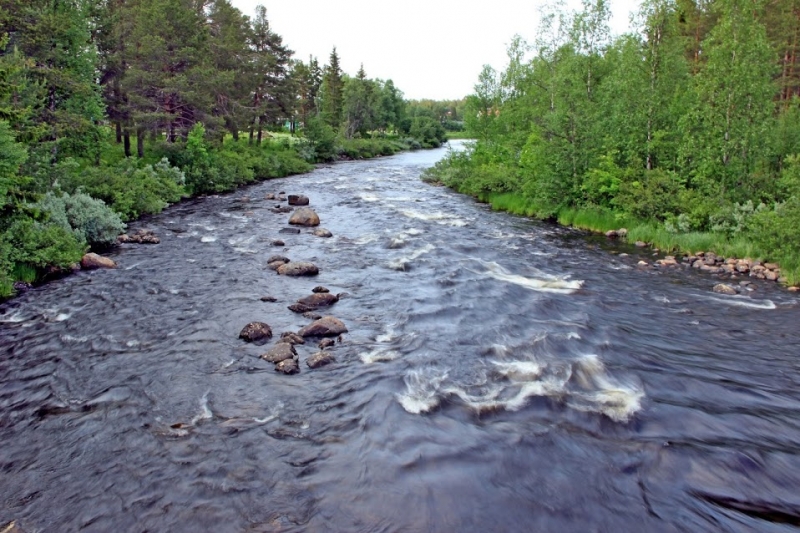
pixel 332 92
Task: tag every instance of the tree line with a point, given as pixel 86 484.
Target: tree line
pixel 111 109
pixel 687 128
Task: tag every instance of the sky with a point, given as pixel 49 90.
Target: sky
pixel 429 48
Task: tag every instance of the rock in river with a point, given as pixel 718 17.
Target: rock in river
pixel 257 332
pixel 327 326
pixel 304 216
pixel 298 268
pixel 320 359
pixel 320 288
pixel 318 299
pixel 322 232
pixel 288 366
pixel 91 261
pixel 298 199
pixel 722 288
pixel 280 352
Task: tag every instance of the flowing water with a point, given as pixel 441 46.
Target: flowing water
pixel 500 374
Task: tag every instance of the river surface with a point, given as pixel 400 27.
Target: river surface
pixel 499 374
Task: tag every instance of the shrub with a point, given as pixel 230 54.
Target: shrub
pixel 89 219
pixel 41 245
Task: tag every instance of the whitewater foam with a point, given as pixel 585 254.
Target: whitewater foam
pixel 547 283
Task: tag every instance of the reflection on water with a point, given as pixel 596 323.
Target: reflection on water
pixel 499 375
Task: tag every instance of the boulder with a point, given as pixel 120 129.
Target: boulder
pixel 622 232
pixel 277 242
pixel 270 299
pixel 283 259
pixel 322 232
pixel 280 352
pixel 311 315
pixel 612 234
pixel 269 196
pixel 257 332
pixel 320 359
pixel 722 288
pixel 667 261
pixel 304 216
pixel 275 265
pixel 292 231
pixel 771 266
pixel 298 199
pixel 326 343
pixel 772 275
pixel 91 261
pixel 288 366
pixel 327 326
pixel 301 308
pixel 298 268
pixel 320 288
pixel 282 209
pixel 292 338
pixel 318 299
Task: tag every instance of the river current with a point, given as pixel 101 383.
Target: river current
pixel 499 374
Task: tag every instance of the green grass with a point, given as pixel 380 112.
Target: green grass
pixel 602 220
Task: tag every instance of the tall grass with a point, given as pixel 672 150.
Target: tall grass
pixel 602 220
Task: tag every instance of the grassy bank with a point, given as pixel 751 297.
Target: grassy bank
pixel 600 220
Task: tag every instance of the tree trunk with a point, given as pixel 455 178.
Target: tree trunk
pixel 258 138
pixel 126 139
pixel 118 128
pixel 140 142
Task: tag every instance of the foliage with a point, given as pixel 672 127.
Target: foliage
pixel 91 220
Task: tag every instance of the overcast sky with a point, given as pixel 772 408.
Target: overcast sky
pixel 429 48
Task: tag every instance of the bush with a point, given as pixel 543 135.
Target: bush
pixel 89 219
pixel 428 131
pixel 655 195
pixel 41 245
pixel 131 188
pixel 321 139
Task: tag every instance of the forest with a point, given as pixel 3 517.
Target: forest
pixel 685 131
pixel 113 109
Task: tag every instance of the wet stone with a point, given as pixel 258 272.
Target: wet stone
pixel 298 199
pixel 256 332
pixel 320 359
pixel 292 338
pixel 327 326
pixel 280 352
pixel 288 366
pixel 722 288
pixel 292 231
pixel 270 299
pixel 326 343
pixel 298 268
pixel 277 242
pixel 320 288
pixel 304 216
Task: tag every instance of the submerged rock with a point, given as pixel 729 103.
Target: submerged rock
pixel 270 299
pixel 304 216
pixel 292 338
pixel 293 231
pixel 91 261
pixel 326 343
pixel 257 332
pixel 322 232
pixel 722 288
pixel 141 236
pixel 301 308
pixel 277 242
pixel 282 258
pixel 327 326
pixel 320 359
pixel 298 268
pixel 298 199
pixel 320 288
pixel 282 209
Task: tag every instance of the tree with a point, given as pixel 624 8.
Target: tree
pixel 332 92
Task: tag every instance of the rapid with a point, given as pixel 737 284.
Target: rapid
pixel 499 374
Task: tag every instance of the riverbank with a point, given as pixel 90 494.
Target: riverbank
pixel 689 244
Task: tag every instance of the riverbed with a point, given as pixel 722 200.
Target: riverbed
pixel 499 374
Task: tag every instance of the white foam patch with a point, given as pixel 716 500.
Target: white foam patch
pixel 378 355
pixel 369 197
pixel 366 239
pixel 72 340
pixel 439 217
pixel 422 388
pixel 208 238
pixel 546 284
pixel 583 384
pixel 205 410
pixel 14 318
pixel 744 301
pixel 402 263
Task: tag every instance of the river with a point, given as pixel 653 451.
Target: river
pixel 499 374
